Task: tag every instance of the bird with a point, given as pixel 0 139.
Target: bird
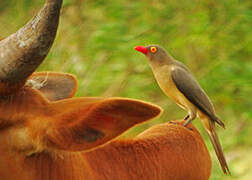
pixel 177 82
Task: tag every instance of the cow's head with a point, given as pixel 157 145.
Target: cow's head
pixel 37 111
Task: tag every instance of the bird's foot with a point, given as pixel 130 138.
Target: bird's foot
pixel 188 121
pixel 189 128
pixel 187 116
pixel 172 122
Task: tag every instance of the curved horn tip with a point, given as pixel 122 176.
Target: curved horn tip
pixel 22 52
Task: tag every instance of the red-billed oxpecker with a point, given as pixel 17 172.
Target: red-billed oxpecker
pixel 176 81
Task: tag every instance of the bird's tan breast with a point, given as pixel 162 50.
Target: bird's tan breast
pixel 165 82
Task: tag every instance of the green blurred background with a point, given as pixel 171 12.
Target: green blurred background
pixel 213 38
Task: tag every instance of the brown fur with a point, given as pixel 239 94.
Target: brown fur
pixel 45 140
pixel 166 151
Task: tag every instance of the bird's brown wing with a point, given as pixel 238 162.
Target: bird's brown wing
pixel 189 87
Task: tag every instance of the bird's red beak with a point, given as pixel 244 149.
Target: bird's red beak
pixel 141 49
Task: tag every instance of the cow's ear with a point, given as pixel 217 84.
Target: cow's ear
pixel 54 86
pixel 85 123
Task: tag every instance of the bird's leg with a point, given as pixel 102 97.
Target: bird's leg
pixel 187 121
pixel 189 118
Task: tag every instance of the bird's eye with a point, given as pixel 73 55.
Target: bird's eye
pixel 153 49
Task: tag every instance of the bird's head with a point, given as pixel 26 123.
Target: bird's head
pixel 154 53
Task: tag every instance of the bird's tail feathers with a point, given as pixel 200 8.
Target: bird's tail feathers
pixel 217 147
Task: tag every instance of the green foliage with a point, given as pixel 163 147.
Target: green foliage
pixel 213 38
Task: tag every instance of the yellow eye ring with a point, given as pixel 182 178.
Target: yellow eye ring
pixel 153 49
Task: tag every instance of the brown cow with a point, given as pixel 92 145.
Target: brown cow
pixel 46 134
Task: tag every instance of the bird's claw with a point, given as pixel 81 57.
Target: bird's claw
pixel 186 125
pixel 187 116
pixel 172 122
pixel 188 121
